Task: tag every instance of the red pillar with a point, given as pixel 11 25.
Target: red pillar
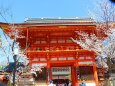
pixel 48 70
pixel 95 74
pixel 48 75
pixel 27 38
pixel 76 69
pixel 74 75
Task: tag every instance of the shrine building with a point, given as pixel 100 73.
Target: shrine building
pixel 49 46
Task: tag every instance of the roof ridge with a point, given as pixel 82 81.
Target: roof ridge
pixel 57 20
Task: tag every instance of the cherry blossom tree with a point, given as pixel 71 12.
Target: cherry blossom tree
pixel 8 46
pixel 102 40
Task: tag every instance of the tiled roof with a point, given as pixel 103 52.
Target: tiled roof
pixel 58 20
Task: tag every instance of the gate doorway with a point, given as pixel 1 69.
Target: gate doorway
pixel 62 75
pixel 61 72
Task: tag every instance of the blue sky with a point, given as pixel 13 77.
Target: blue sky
pixel 20 9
